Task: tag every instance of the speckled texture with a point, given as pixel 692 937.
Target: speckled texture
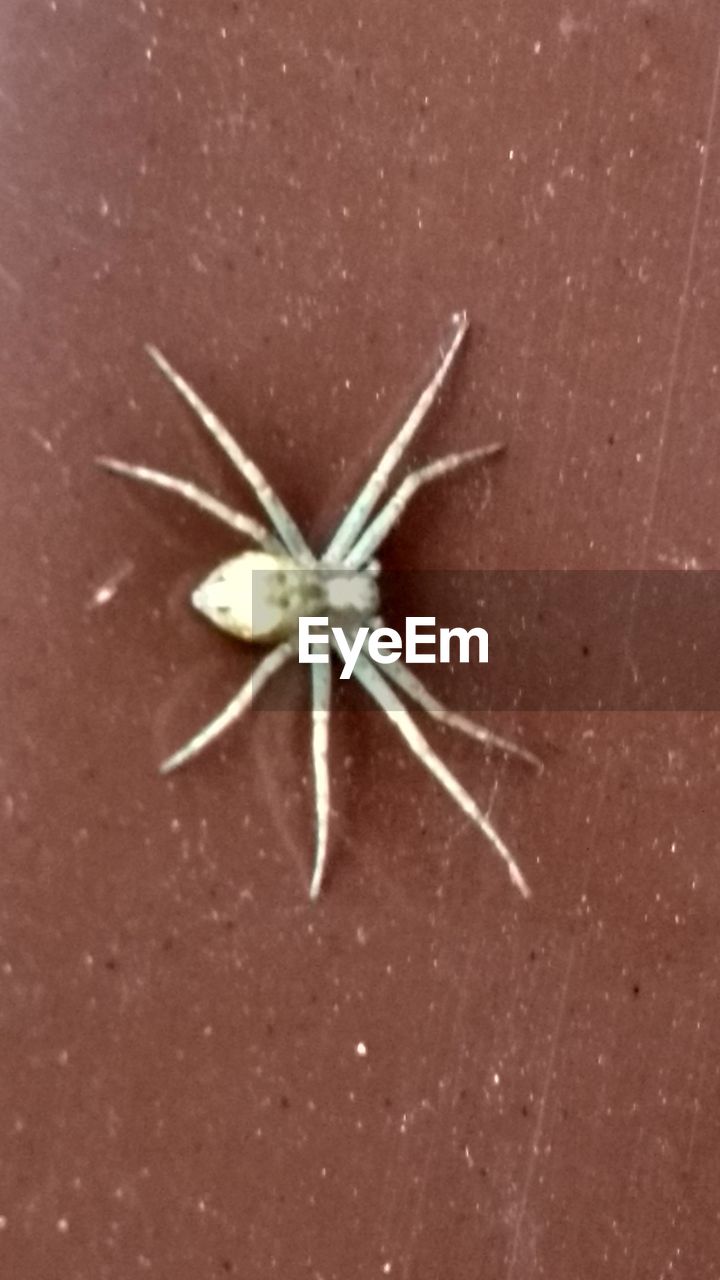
pixel 422 1076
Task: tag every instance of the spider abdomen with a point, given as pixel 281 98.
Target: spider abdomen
pixel 259 596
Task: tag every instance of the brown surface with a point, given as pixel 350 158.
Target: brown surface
pixel 290 201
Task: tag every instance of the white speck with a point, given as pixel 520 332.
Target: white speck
pixel 104 207
pixel 361 1049
pixel 63 1226
pixel 149 54
pixel 105 592
pixel 42 440
pixel 496 1078
pixel 3 1222
pixel 361 934
pixel 387 1268
pixel 537 46
pixel 511 153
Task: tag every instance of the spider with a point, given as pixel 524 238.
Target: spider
pixel 341 582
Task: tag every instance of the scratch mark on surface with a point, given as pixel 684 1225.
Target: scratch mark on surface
pixel 10 280
pixel 434 1137
pixel 9 102
pixel 682 307
pixel 450 1034
pixel 640 1179
pixel 701 1070
pixel 535 1142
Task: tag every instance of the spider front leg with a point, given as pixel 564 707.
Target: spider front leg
pixel 356 517
pixel 195 496
pixel 320 679
pixel 388 516
pixel 387 699
pixel 280 517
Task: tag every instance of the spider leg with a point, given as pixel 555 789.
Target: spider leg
pixel 320 732
pixel 234 709
pixel 387 699
pixel 354 519
pixel 278 514
pixel 406 680
pixel 191 493
pixel 376 532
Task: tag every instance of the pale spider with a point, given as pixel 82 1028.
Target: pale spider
pixel 342 583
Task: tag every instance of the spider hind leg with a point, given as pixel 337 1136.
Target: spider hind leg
pixel 235 709
pixel 389 702
pixel 408 682
pixel 320 733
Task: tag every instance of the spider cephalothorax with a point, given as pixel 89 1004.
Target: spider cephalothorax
pixel 260 595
